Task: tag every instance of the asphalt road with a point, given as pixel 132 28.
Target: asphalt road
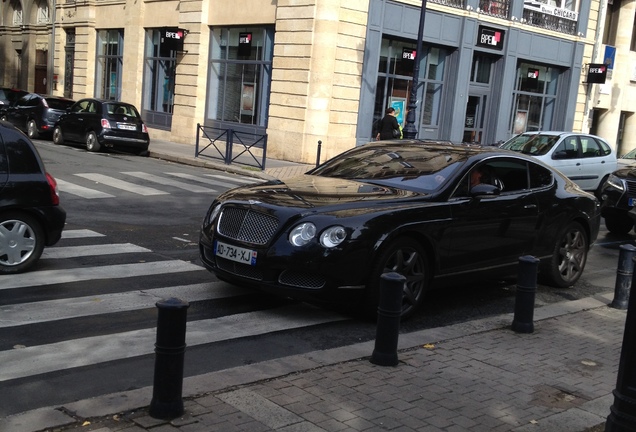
pixel 83 325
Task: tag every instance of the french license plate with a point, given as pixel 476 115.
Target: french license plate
pixel 234 253
pixel 127 127
pixel 631 202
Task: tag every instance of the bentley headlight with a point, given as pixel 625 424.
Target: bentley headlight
pixel 616 182
pixel 302 234
pixel 214 213
pixel 333 236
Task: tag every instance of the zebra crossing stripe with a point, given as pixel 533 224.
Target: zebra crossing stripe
pixel 49 277
pixel 24 362
pixel 233 179
pixel 81 191
pixel 91 250
pixel 120 184
pixel 52 310
pixel 203 180
pixel 80 233
pixel 169 182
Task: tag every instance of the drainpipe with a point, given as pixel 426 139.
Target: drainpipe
pixel 49 75
pixel 600 23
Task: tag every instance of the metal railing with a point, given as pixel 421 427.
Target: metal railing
pixel 550 22
pixel 495 8
pixel 452 3
pixel 231 146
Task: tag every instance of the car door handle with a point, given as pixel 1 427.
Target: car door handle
pixel 530 206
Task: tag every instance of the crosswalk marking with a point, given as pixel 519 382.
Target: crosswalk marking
pixel 92 250
pixel 120 184
pixel 49 277
pixel 80 233
pixel 81 191
pixel 52 310
pixel 169 182
pixel 202 179
pixel 23 362
pixel 234 179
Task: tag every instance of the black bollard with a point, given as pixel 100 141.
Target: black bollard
pixel 167 402
pixel 622 416
pixel 526 290
pixel 624 276
pixel 318 153
pixel 389 313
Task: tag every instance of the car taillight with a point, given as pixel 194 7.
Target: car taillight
pixel 105 124
pixel 55 196
pixel 144 129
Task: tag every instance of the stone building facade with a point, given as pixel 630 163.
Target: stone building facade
pixel 303 71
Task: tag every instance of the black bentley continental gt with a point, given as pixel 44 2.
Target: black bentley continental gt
pixel 427 210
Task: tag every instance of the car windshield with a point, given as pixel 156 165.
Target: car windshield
pixel 121 109
pixel 408 167
pixel 630 155
pixel 532 144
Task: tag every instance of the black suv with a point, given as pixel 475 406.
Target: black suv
pixel 8 96
pixel 36 114
pixel 30 214
pixel 618 197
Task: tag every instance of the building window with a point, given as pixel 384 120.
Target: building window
pixel 160 66
pixel 17 14
pixel 240 74
pixel 534 98
pixel 558 15
pixel 110 56
pixel 395 76
pixel 43 13
pixel 632 46
pixel 611 22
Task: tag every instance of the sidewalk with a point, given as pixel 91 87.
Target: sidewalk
pixel 184 153
pixel 473 376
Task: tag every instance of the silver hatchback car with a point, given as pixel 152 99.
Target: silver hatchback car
pixel 588 160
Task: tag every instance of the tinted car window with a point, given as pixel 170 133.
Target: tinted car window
pixel 539 176
pixel 81 106
pixel 4 167
pixel 22 159
pixel 121 109
pixel 568 149
pixel 58 104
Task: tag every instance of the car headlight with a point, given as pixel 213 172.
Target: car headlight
pixel 333 236
pixel 616 182
pixel 214 213
pixel 302 234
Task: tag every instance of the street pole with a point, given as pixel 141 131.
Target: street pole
pixel 410 131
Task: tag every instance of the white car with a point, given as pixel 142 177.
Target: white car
pixel 588 160
pixel 627 160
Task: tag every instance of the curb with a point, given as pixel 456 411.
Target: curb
pixel 75 413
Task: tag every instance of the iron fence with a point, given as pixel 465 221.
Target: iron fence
pixel 231 146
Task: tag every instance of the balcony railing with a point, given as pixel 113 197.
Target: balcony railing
pixel 495 8
pixel 548 21
pixel 452 3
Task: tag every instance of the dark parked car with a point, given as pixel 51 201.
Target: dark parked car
pixel 405 207
pixel 618 197
pixel 9 96
pixel 30 215
pixel 101 124
pixel 36 114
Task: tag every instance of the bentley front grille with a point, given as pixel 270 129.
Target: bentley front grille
pixel 247 225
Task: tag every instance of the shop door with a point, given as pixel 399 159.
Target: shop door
pixel 474 121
